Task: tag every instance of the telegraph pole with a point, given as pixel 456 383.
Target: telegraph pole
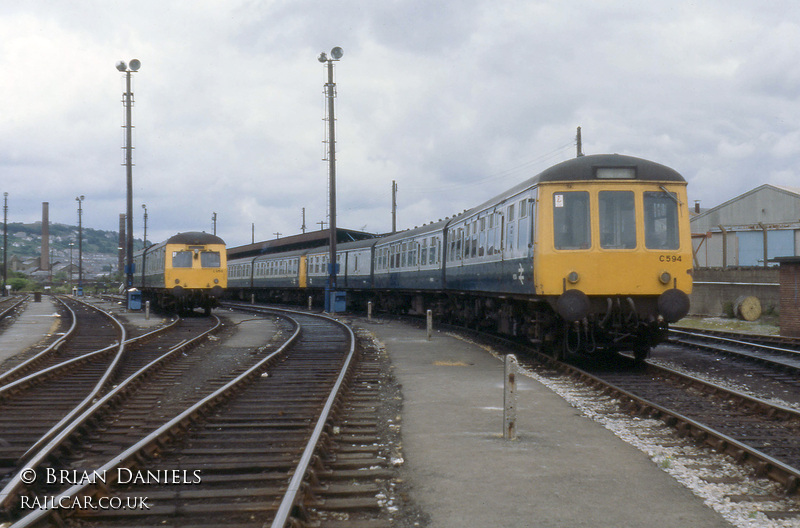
pixel 394 206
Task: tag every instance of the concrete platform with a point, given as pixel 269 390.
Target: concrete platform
pixel 564 470
pixel 36 324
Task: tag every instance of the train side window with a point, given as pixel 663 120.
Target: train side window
pixel 474 246
pixel 617 220
pixel 661 220
pixel 181 259
pixel 491 235
pixel 482 239
pixel 571 220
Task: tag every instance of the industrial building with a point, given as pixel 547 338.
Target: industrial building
pixel 749 230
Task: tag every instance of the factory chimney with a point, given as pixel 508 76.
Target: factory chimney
pixel 44 260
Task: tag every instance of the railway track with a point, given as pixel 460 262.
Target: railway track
pixel 44 409
pixel 782 353
pixel 250 443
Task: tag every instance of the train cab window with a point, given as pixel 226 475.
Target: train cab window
pixel 571 220
pixel 661 220
pixel 617 220
pixel 210 259
pixel 181 259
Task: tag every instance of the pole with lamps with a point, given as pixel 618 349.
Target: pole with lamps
pixel 80 200
pixel 330 93
pixel 214 222
pixel 127 101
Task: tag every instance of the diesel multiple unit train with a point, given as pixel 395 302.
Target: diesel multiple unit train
pixel 185 272
pixel 592 255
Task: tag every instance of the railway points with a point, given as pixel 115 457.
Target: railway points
pixel 563 471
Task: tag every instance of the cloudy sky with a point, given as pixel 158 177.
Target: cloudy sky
pixel 455 100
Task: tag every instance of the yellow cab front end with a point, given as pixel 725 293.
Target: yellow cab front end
pixel 196 268
pixel 621 246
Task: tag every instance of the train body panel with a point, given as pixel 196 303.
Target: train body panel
pixel 625 250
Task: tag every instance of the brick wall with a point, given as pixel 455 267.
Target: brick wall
pixel 790 298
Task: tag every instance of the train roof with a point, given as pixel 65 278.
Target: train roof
pixel 586 168
pixel 433 227
pixel 193 238
pixel 343 246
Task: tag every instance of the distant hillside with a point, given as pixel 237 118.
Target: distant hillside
pixel 25 240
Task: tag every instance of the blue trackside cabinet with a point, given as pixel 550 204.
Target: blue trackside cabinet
pixel 335 301
pixel 339 301
pixel 134 300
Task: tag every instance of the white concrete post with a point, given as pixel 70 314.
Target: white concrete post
pixel 147 310
pixel 369 310
pixel 430 324
pixel 252 298
pixel 309 303
pixel 510 398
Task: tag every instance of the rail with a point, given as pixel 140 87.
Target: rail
pixel 289 499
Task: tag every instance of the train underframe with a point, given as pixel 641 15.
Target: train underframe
pixel 182 303
pixel 611 325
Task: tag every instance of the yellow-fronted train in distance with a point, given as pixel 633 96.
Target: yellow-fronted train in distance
pixel 591 256
pixel 187 271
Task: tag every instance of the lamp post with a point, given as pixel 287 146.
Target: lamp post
pixel 80 200
pixel 127 101
pixel 5 242
pixel 330 93
pixel 214 222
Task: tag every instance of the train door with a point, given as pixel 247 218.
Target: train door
pixel 302 277
pixel 531 209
